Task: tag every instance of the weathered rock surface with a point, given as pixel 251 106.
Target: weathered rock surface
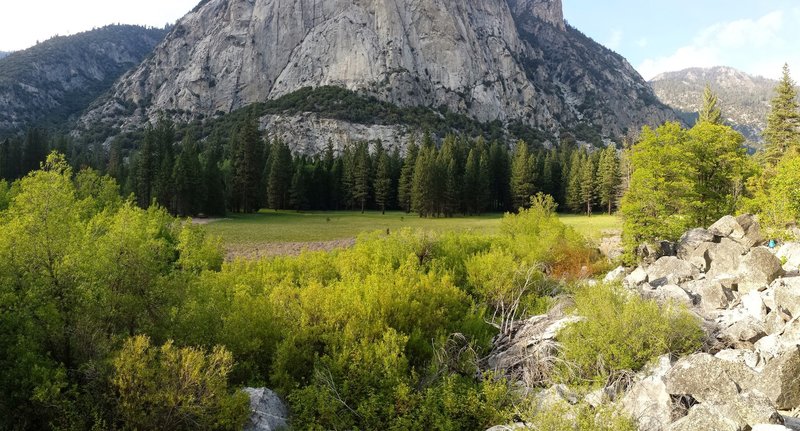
pixel 267 411
pixel 670 270
pixel 648 401
pixel 758 269
pixel 506 60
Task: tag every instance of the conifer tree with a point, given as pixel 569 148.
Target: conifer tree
pixel 499 177
pixel 574 193
pixel 608 178
pixel 146 168
pixel 188 179
pixel 783 123
pixel 35 150
pixel 405 186
pixel 248 166
pixel 361 175
pixel 301 186
pixel 471 182
pixel 588 184
pixel 710 112
pixel 280 175
pixel 163 190
pixel 214 180
pixel 383 182
pixel 522 186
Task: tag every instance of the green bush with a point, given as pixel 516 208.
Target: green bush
pixel 176 388
pixel 579 418
pixel 622 332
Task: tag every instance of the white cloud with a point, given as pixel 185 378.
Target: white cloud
pixel 614 40
pixel 642 43
pixel 747 44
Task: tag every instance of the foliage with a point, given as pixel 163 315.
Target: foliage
pixel 777 199
pixel 176 388
pixel 578 418
pixel 709 111
pixel 682 179
pixel 782 133
pixel 622 332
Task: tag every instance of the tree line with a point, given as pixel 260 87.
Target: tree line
pixel 246 171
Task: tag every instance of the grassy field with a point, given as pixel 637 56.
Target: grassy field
pixel 288 226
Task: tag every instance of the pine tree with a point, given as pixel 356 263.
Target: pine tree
pixel 710 112
pixel 783 133
pixel 522 186
pixel 383 182
pixel 215 181
pixel 248 166
pixel 423 199
pixel 588 184
pixel 146 168
pixel 361 175
pixel 163 190
pixel 115 167
pixel 471 182
pixel 34 151
pixel 608 177
pixel 499 177
pixel 300 188
pixel 405 186
pixel 280 175
pixel 188 179
pixel 574 193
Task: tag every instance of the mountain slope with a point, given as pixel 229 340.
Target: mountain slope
pixel 4 54
pixel 57 79
pixel 493 60
pixel 744 99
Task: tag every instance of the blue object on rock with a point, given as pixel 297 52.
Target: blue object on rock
pixel 772 243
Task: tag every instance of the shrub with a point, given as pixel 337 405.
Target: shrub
pixel 622 332
pixel 176 388
pixel 579 418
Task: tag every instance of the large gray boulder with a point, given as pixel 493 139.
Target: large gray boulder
pixel 787 295
pixel 648 401
pixel 706 378
pixel 705 416
pixel 780 380
pixel 267 411
pixel 743 229
pixel 670 270
pixel 725 258
pixel 743 333
pixel 670 293
pixel 636 278
pixel 790 254
pixel 649 253
pixel 694 247
pixel 758 269
pixel 712 295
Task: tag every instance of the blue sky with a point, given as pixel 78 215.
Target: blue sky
pixel 756 36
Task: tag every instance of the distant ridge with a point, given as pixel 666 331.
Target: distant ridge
pixel 744 98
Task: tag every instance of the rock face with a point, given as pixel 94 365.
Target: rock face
pixel 60 77
pixel 267 412
pixel 506 60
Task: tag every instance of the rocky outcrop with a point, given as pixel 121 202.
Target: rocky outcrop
pixel 505 60
pixel 748 375
pixel 59 78
pixel 267 411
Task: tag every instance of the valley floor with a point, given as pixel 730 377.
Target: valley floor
pixel 270 233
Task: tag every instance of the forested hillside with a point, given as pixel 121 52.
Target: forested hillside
pixel 50 84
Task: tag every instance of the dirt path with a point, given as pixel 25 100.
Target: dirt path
pixel 258 251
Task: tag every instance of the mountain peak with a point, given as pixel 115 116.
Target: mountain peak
pixel 744 98
pixel 550 11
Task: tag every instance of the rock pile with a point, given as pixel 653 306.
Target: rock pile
pixel 748 299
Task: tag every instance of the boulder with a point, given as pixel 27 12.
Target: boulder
pixel 743 333
pixel 769 427
pixel 752 231
pixel 693 247
pixel 790 254
pixel 775 322
pixel 617 274
pixel 704 417
pixel 528 354
pixel 742 356
pixel 670 270
pixel 648 401
pixel 650 253
pixel 267 411
pixel 758 269
pixel 636 278
pixel 743 229
pixel 754 305
pixel 706 378
pixel 725 258
pixel 669 293
pixel 780 380
pixel 712 295
pixel 787 295
pixel 512 427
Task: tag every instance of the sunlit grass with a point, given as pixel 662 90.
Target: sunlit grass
pixel 291 226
